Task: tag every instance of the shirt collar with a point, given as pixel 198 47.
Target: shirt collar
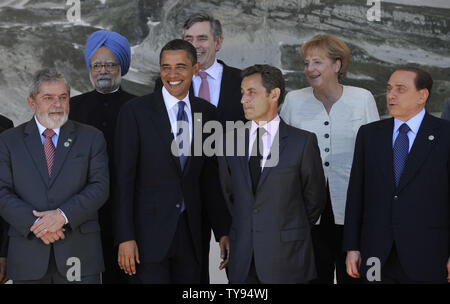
pixel 413 123
pixel 271 127
pixel 214 70
pixel 108 92
pixel 41 128
pixel 172 101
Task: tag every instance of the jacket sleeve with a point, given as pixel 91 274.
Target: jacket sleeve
pixel 313 179
pixel 355 196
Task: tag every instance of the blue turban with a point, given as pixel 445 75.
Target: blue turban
pixel 116 43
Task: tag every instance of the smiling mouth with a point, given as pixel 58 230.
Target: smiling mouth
pixel 314 76
pixel 174 83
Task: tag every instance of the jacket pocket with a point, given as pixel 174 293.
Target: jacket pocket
pixel 296 234
pixel 89 227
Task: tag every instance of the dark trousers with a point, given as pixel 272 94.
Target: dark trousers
pixel 328 253
pixel 392 272
pixel 180 266
pixel 54 277
pixel 252 276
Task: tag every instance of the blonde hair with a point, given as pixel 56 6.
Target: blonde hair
pixel 335 49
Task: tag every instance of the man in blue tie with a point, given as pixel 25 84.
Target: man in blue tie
pixel 397 217
pixel 160 183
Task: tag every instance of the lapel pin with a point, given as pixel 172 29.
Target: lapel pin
pixel 67 143
pixel 431 137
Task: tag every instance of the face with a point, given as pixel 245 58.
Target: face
pixel 403 99
pixel 320 70
pixel 177 71
pixel 107 79
pixel 259 105
pixel 200 36
pixel 51 104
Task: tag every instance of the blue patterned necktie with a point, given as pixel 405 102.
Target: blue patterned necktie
pixel 183 137
pixel 401 148
pixel 183 133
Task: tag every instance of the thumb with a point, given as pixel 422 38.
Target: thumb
pixel 136 254
pixel 37 214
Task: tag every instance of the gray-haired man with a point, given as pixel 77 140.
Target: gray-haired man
pixel 53 179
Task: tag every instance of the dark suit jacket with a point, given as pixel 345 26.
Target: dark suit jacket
pixel 416 215
pixel 5 123
pixel 446 111
pixel 151 186
pixel 79 186
pixel 274 224
pixel 229 107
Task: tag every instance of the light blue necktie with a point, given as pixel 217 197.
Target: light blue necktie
pixel 401 148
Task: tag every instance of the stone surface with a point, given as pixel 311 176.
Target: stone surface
pixel 35 34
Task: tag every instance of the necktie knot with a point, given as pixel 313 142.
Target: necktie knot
pixel 202 74
pixel 48 133
pixel 404 128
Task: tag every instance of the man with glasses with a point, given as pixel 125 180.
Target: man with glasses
pixel 107 56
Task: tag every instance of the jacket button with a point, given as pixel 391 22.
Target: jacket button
pixel 177 205
pixel 327 164
pixel 255 210
pixel 326 123
pixel 395 197
pixel 327 149
pixel 327 135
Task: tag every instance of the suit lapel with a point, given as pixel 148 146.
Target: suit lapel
pixel 243 159
pixel 35 147
pixel 197 130
pixel 425 140
pixel 223 96
pixel 160 118
pixel 66 139
pixel 278 144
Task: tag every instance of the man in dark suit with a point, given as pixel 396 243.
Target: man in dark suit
pixel 275 190
pixel 53 179
pixel 5 123
pixel 397 217
pixel 107 57
pixel 160 182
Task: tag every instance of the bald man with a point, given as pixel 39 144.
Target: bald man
pixel 108 57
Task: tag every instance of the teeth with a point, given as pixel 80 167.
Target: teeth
pixel 173 83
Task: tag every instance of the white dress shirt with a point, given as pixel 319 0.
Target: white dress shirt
pixel 413 124
pixel 271 130
pixel 336 133
pixel 172 110
pixel 214 80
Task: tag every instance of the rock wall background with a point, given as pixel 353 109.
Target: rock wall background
pixel 36 34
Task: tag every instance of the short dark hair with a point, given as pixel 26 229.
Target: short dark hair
pixel 216 27
pixel 271 78
pixel 180 44
pixel 423 79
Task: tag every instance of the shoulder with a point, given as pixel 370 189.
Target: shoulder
pixel 202 104
pixel 81 97
pixel 5 123
pixel 296 98
pixel 356 94
pixel 139 102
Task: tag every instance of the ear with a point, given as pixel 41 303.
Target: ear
pixel 275 95
pixel 32 104
pixel 218 43
pixel 196 68
pixel 423 96
pixel 338 65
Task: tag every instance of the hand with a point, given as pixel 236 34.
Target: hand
pixel 50 221
pixel 224 245
pixel 128 253
pixel 448 270
pixel 3 278
pixel 353 262
pixel 51 237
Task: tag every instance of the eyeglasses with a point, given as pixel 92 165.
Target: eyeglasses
pixel 110 66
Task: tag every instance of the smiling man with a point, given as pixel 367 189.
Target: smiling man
pixel 161 193
pixel 398 203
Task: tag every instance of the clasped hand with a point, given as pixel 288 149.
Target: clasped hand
pixel 49 227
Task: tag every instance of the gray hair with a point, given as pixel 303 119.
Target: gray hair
pixel 43 76
pixel 216 27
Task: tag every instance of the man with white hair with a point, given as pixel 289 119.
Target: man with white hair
pixel 53 179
